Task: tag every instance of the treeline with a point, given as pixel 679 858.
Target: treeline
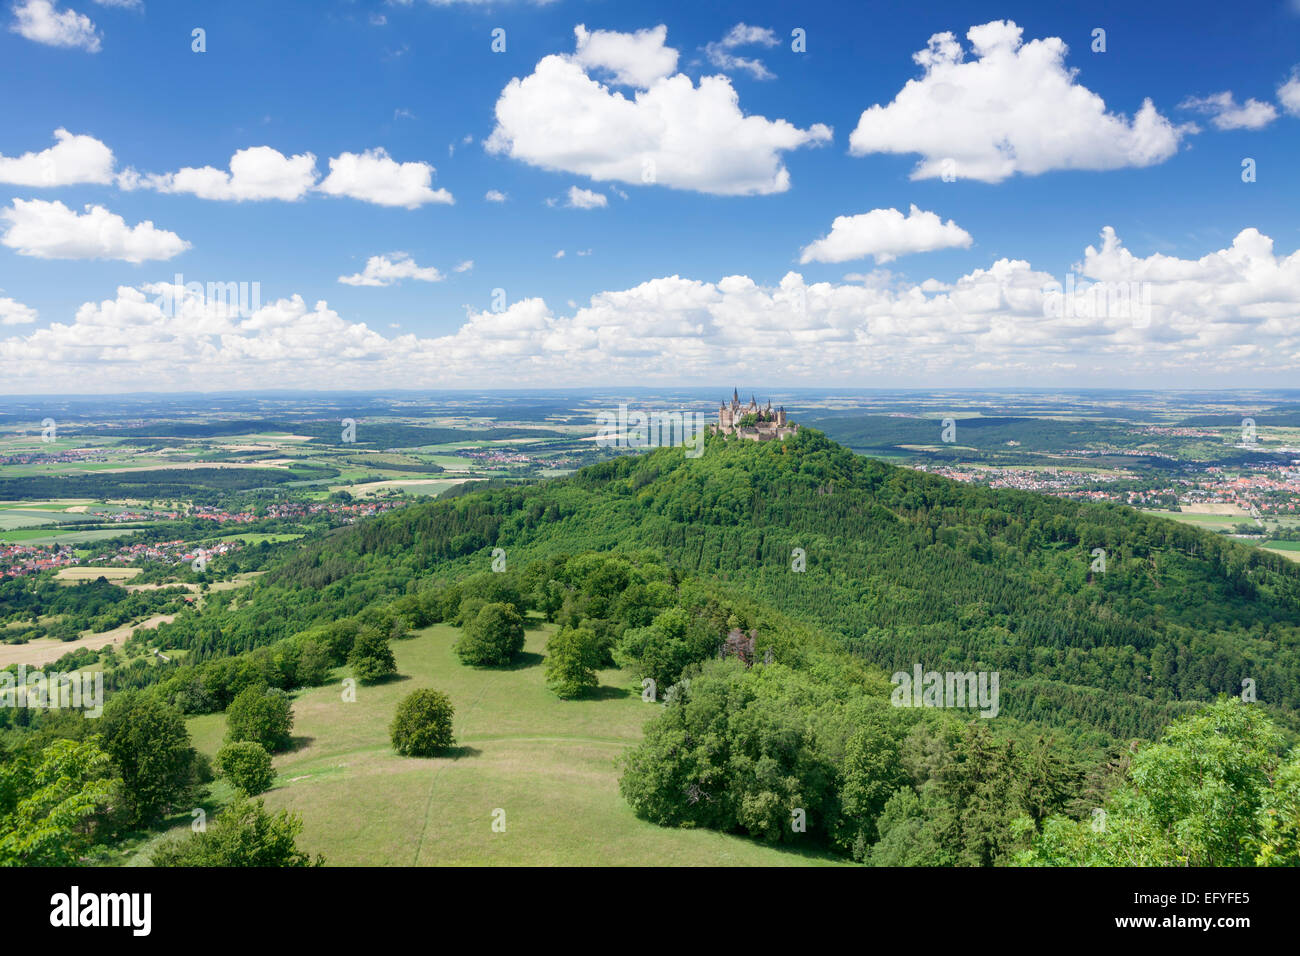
pixel 69 610
pixel 200 485
pixel 988 433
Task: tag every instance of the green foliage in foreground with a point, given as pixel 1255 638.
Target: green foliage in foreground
pixel 48 802
pixel 1217 790
pixel 422 725
pixel 243 834
pixel 247 766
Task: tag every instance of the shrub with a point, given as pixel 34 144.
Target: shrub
pixel 371 657
pixel 244 834
pixel 422 724
pixel 260 715
pixel 247 766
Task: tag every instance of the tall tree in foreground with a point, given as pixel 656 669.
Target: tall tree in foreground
pixel 150 746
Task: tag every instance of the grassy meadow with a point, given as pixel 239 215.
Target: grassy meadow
pixel 551 765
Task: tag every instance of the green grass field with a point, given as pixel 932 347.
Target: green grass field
pixel 46 536
pixel 551 765
pixel 254 537
pixel 1210 522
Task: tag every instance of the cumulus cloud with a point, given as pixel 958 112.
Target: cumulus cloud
pixel 71 160
pixel 585 199
pixel 1226 113
pixel 671 132
pixel 258 172
pixel 41 22
pixel 13 312
pixel 631 59
pixel 1288 94
pixel 384 271
pixel 1014 108
pixel 1232 314
pixel 720 55
pixel 374 177
pixel 465 266
pixel 50 230
pixel 885 234
pixel 495 195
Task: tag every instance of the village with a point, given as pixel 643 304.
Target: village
pixel 1259 491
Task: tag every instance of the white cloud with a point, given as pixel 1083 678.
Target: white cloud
pixel 39 21
pixel 1288 94
pixel 1230 316
pixel 261 172
pixel 495 195
pixel 559 255
pixel 13 312
pixel 632 59
pixel 1013 109
pixel 1225 113
pixel 374 177
pixel 465 266
pixel 50 230
pixel 72 159
pixel 720 55
pixel 672 132
pixel 256 173
pixel 385 271
pixel 124 4
pixel 586 199
pixel 885 234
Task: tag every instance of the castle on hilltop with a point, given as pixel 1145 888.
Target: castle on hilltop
pixel 750 421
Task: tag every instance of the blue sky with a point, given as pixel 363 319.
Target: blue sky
pixel 420 81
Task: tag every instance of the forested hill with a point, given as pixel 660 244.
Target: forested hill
pixel 903 567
